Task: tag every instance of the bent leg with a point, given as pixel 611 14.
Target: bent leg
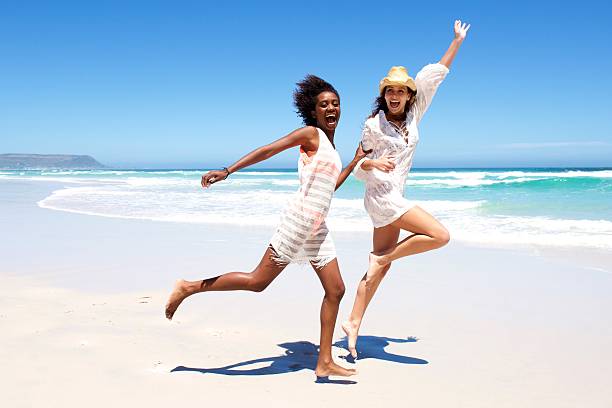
pixel 384 238
pixel 255 281
pixel 428 234
pixel 330 278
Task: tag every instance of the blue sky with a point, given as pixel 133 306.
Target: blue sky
pixel 190 84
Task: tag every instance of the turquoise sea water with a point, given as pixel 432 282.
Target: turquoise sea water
pixel 563 207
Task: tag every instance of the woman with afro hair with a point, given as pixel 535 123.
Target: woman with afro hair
pixel 302 235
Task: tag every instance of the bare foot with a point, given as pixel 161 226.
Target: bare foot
pixel 179 293
pixel 351 334
pixel 325 370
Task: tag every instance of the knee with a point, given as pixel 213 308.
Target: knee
pixel 257 284
pixel 336 293
pixel 442 237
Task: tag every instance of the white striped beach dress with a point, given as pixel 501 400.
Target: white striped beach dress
pixel 302 235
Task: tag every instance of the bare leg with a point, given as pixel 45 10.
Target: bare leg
pixel 255 281
pixel 334 290
pixel 384 238
pixel 428 234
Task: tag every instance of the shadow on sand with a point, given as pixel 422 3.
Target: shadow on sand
pixel 302 355
pixel 374 347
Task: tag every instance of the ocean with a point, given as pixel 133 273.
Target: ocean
pixel 499 207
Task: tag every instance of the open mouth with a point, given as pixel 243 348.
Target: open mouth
pixel 394 104
pixel 330 119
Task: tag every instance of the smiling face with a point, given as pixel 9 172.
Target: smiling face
pixel 327 110
pixel 396 97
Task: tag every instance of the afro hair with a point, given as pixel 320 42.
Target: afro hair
pixel 305 97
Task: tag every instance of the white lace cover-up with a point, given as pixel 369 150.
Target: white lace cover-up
pixel 302 235
pixel 384 196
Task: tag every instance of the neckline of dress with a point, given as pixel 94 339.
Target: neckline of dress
pixel 384 115
pixel 394 127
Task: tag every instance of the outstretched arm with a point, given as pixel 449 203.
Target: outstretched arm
pixel 301 137
pixel 460 33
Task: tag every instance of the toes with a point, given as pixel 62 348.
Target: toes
pixel 170 311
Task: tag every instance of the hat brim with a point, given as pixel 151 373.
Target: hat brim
pixel 409 83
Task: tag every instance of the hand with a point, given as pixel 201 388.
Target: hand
pixel 212 177
pixel 461 30
pixel 360 153
pixel 385 163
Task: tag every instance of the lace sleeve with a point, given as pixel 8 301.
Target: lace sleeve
pixel 427 81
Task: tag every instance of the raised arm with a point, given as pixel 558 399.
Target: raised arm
pixel 305 137
pixel 460 33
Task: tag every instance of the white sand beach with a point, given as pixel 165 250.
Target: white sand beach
pixel 82 320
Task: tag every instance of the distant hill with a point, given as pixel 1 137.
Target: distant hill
pixel 48 161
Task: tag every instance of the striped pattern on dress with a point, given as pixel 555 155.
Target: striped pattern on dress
pixel 302 235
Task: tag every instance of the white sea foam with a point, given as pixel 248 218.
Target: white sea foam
pixel 160 181
pixel 468 182
pixel 262 207
pixel 266 173
pixel 258 198
pixel 86 172
pixel 570 174
pixel 478 174
pixel 531 231
pixel 183 178
pixel 69 180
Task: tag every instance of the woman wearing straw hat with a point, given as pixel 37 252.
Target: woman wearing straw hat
pixel 392 134
pixel 302 236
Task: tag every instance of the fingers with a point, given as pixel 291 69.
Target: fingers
pixel 206 180
pixel 461 28
pixel 389 165
pixel 214 178
pixel 210 178
pixel 205 183
pixel 385 165
pixel 363 149
pixel 359 152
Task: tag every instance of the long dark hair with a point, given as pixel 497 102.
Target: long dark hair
pixel 380 104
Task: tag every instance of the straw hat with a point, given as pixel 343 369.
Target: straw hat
pixel 397 76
